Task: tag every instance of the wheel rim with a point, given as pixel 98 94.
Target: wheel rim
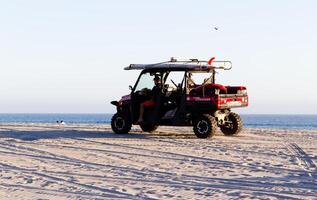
pixel 119 123
pixel 229 125
pixel 202 127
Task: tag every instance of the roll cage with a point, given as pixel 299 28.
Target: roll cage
pixel 164 74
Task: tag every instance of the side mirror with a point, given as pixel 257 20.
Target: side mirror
pixel 130 87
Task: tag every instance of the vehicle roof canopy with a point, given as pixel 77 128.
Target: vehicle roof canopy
pixel 185 65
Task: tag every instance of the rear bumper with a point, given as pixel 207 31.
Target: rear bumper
pixel 221 101
pixel 225 101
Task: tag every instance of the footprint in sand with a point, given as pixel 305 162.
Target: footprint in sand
pixel 28 180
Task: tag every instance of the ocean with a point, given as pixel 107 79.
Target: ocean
pixel 308 122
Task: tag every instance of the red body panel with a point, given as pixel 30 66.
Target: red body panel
pixel 226 97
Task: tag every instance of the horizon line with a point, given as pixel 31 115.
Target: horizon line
pixel 108 113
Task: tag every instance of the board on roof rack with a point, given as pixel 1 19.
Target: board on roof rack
pixel 192 64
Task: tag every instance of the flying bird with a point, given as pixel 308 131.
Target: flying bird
pixel 216 28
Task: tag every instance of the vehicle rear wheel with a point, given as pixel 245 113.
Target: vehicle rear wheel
pixel 205 126
pixel 147 127
pixel 233 126
pixel 120 123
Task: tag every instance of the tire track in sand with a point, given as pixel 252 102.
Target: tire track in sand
pixel 303 159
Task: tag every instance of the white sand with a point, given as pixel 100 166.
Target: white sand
pixel 43 161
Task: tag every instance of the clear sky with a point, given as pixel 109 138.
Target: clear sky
pixel 66 56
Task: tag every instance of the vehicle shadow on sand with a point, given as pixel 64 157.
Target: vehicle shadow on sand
pixel 73 133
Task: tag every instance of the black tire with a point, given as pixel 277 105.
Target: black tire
pixel 120 123
pixel 146 127
pixel 234 126
pixel 205 126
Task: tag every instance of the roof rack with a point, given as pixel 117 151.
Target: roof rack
pixel 192 64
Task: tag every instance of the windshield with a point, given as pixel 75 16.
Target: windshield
pixel 145 81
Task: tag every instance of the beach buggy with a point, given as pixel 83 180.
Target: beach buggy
pixel 181 93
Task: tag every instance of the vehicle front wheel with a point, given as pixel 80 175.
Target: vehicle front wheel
pixel 233 126
pixel 120 123
pixel 205 126
pixel 147 127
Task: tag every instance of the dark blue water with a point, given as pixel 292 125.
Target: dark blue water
pixel 281 121
pixel 253 121
pixel 52 118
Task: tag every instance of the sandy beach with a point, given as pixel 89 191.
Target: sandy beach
pixel 47 161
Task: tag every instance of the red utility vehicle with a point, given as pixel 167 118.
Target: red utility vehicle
pixel 189 96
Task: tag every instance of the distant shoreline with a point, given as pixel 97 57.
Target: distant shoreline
pixel 57 113
pixel 295 122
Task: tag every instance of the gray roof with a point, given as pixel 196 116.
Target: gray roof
pixel 183 65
